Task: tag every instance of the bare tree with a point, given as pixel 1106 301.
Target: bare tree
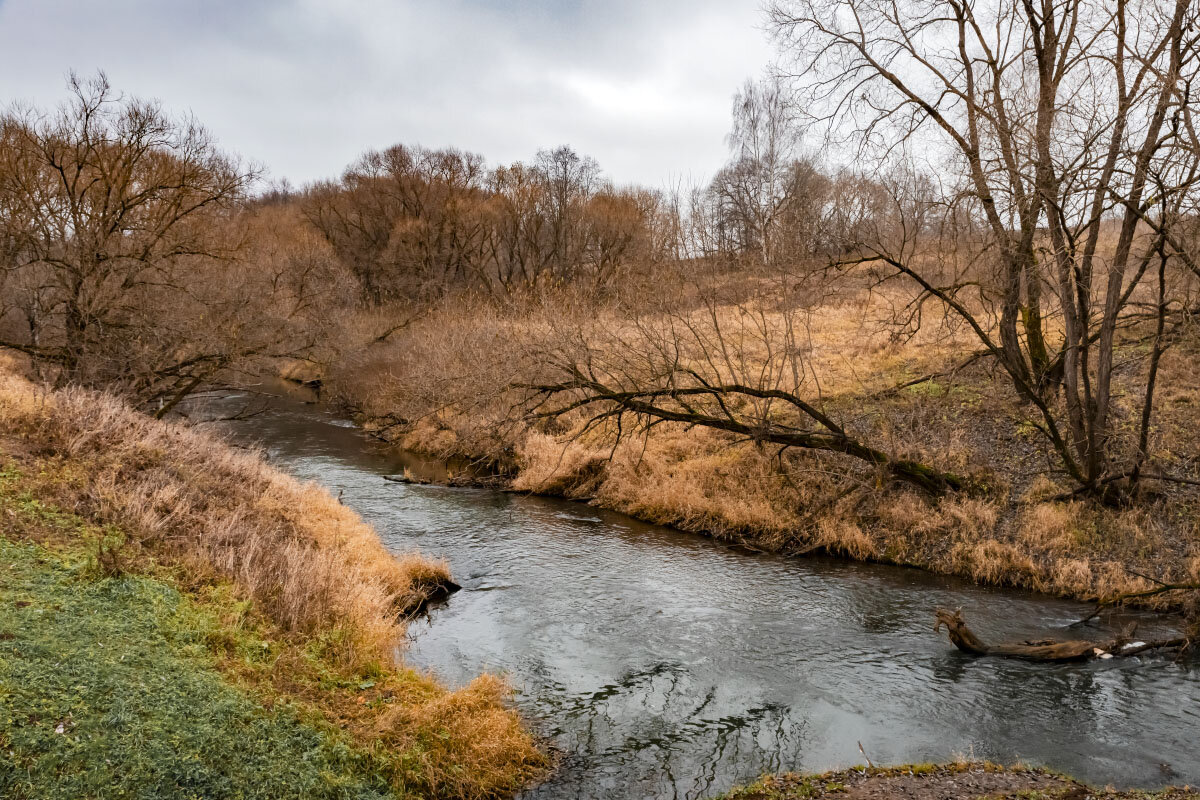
pixel 1067 129
pixel 570 180
pixel 404 219
pixel 612 226
pixel 762 179
pixel 121 231
pixel 704 361
pixel 516 252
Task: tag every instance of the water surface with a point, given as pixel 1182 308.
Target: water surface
pixel 663 665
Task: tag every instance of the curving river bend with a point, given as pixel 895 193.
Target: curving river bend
pixel 663 665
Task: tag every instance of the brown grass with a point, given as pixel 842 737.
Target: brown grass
pixel 309 563
pixel 439 387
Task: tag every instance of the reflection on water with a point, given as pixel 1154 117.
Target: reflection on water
pixel 664 666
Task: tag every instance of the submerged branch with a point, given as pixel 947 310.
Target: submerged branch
pixel 1119 599
pixel 1048 650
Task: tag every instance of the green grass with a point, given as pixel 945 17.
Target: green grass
pixel 109 689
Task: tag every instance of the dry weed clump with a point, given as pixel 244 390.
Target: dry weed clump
pixel 19 399
pixel 464 744
pixel 1051 527
pixel 844 537
pixel 551 466
pixel 701 481
pixel 309 563
pixel 993 562
pixel 461 744
pixel 1072 577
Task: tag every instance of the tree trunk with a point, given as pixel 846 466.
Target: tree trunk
pixel 1047 650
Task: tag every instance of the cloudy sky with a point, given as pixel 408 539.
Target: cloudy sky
pixel 303 86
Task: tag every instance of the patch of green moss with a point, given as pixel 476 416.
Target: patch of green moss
pixel 927 389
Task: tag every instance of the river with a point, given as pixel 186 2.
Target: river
pixel 663 665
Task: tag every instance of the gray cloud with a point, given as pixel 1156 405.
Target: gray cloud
pixel 303 86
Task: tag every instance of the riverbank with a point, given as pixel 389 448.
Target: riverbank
pixel 960 781
pixel 135 542
pixel 668 665
pixel 113 690
pixel 442 387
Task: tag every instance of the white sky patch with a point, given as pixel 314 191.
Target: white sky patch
pixel 303 86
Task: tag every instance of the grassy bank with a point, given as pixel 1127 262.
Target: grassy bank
pixel 442 386
pixel 962 781
pixel 142 549
pixel 112 690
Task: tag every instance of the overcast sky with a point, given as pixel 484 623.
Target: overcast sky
pixel 303 86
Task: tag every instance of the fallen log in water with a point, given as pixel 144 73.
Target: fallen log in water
pixel 1050 650
pixel 407 478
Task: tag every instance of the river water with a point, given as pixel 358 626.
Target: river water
pixel 663 665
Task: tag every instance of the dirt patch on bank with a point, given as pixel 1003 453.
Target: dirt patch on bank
pixel 944 782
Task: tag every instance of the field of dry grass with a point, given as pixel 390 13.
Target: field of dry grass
pixel 439 387
pixel 163 499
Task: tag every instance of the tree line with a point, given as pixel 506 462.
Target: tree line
pixel 412 221
pixel 409 221
pixel 136 254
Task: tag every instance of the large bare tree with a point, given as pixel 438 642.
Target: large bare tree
pixel 1063 140
pixel 762 181
pixel 404 219
pixel 120 228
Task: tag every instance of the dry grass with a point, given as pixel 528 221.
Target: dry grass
pixel 464 739
pixel 695 481
pixel 313 572
pixel 432 743
pixel 309 563
pixel 440 388
pixel 550 466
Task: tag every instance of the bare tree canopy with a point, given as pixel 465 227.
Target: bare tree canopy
pixel 412 222
pixel 1067 185
pixel 120 230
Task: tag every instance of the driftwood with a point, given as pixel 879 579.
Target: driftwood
pixel 409 479
pixel 468 481
pixel 1049 650
pixel 428 593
